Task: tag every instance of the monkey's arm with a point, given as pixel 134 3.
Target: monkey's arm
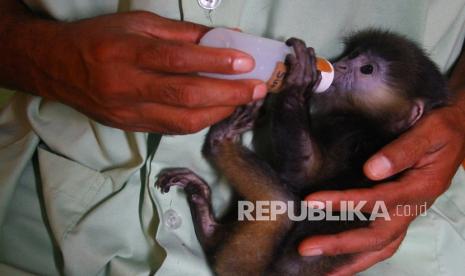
pixel 297 153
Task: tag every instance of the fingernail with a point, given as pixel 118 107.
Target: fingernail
pixel 259 92
pixel 243 64
pixel 311 252
pixel 380 166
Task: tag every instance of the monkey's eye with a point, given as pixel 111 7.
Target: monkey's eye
pixel 366 69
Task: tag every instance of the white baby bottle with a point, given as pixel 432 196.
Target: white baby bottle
pixel 269 58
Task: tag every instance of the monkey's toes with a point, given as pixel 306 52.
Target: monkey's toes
pixel 244 117
pixel 229 129
pixel 183 178
pixel 172 177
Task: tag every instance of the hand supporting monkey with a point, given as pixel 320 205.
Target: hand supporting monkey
pixel 429 154
pixel 132 71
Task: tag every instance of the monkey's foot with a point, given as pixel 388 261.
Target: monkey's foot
pixel 231 128
pixel 303 73
pixel 242 119
pixel 198 196
pixel 184 178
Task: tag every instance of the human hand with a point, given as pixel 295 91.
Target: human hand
pixel 135 71
pixel 428 156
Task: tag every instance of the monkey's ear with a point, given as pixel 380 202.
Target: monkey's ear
pixel 409 119
pixel 416 111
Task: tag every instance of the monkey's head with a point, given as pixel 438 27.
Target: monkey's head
pixel 387 77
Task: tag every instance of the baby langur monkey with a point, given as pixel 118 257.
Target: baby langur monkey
pixel 383 84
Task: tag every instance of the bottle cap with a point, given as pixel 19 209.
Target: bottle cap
pixel 327 74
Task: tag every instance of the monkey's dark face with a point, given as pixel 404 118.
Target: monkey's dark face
pixel 360 79
pixel 359 72
pixel 363 83
pixel 385 78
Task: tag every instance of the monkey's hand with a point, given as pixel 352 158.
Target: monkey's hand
pixel 232 127
pixel 429 155
pixel 292 140
pixel 303 75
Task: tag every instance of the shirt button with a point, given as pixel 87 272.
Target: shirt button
pixel 171 219
pixel 209 4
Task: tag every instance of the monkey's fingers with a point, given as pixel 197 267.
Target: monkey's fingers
pixel 314 75
pixel 301 54
pixel 363 261
pixel 293 74
pixel 315 84
pixel 311 72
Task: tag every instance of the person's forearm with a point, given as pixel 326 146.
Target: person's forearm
pixel 24 38
pixel 134 70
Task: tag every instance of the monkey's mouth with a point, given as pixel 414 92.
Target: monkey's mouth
pixel 337 75
pixel 340 81
pixel 337 79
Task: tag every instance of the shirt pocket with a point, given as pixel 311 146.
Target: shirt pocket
pixel 69 190
pixel 451 205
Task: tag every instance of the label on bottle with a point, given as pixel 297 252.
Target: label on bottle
pixel 275 82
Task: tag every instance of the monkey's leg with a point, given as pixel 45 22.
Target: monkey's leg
pixel 298 155
pixel 250 246
pixel 250 176
pixel 199 199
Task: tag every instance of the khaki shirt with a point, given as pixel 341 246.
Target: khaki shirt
pixel 77 197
